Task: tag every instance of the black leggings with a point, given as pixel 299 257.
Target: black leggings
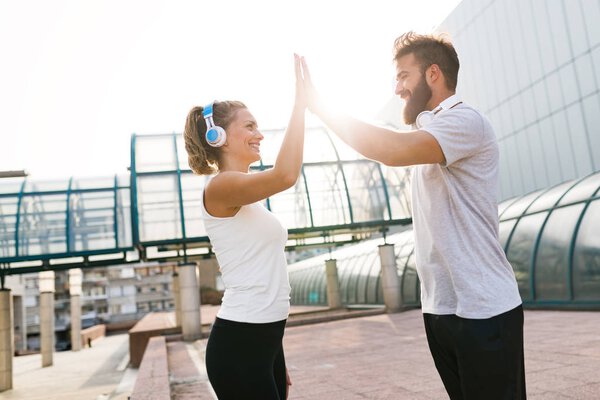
pixel 246 361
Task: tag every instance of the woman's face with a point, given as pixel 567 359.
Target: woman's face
pixel 243 136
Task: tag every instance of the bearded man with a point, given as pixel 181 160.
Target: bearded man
pixel 471 305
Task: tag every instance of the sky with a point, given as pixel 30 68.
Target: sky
pixel 77 78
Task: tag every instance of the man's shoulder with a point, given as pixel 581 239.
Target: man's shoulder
pixel 472 116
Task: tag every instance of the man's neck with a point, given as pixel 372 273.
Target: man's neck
pixel 437 98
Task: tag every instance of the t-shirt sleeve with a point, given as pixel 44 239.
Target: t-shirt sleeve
pixel 459 133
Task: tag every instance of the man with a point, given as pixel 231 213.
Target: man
pixel 470 300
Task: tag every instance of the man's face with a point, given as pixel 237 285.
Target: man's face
pixel 412 87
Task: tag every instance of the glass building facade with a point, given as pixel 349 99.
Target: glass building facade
pixel 533 67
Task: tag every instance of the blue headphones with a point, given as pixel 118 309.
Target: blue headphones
pixel 215 135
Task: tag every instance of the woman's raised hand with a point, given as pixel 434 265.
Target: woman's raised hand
pixel 301 100
pixel 312 97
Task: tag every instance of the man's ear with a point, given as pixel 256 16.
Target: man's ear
pixel 433 74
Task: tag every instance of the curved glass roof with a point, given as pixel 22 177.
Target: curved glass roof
pixel 338 194
pixel 551 238
pixel 359 275
pixel 64 218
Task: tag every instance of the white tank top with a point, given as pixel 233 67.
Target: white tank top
pixel 250 251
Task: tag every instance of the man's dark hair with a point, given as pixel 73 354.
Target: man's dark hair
pixel 429 50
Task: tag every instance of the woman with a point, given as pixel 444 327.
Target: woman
pixel 244 353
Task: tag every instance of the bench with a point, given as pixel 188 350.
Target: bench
pixel 153 324
pixel 152 382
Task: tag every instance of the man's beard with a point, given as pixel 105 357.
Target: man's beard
pixel 417 101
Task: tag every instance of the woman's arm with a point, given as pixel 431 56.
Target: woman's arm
pixel 231 189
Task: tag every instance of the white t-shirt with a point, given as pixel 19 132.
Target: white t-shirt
pixel 250 251
pixel 462 267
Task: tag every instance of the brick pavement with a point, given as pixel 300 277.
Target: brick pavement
pixel 372 357
pixel 386 357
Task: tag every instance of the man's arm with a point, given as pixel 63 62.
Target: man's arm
pixel 380 144
pixel 389 147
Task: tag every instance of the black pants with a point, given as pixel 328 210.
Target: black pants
pixel 479 358
pixel 246 361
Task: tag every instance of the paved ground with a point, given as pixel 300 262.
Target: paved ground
pixel 375 357
pixel 92 373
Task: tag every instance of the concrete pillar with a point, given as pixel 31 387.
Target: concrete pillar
pixel 75 323
pixel 6 340
pixel 334 299
pixel 189 292
pixel 46 286
pixel 75 282
pixel 392 295
pixel 20 319
pixel 47 327
pixel 177 298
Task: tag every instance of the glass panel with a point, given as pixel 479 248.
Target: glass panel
pixel 540 99
pixel 544 41
pixel 578 138
pixel 554 89
pixel 586 257
pixel 520 250
pixel 591 109
pixel 398 187
pixel 107 182
pixel 328 197
pixel 154 153
pixel 576 27
pixel 345 152
pixel 549 199
pixel 583 190
pixel 158 208
pixel 585 75
pixel 124 180
pixel 519 207
pixel 504 230
pixel 560 40
pixel 318 147
pixel 291 206
pixel 10 186
pixel 565 147
pixel 410 283
pixel 42 225
pixel 552 262
pixel 92 221
pixel 372 279
pixel 124 218
pixel 367 196
pixel 192 186
pixel 551 152
pixel 354 277
pixel 592 16
pixel 570 89
pixel 8 222
pixel 322 287
pixel 504 205
pixel 269 147
pixel 182 153
pixel 45 186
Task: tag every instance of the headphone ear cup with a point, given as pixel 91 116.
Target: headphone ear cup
pixel 216 136
pixel 424 118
